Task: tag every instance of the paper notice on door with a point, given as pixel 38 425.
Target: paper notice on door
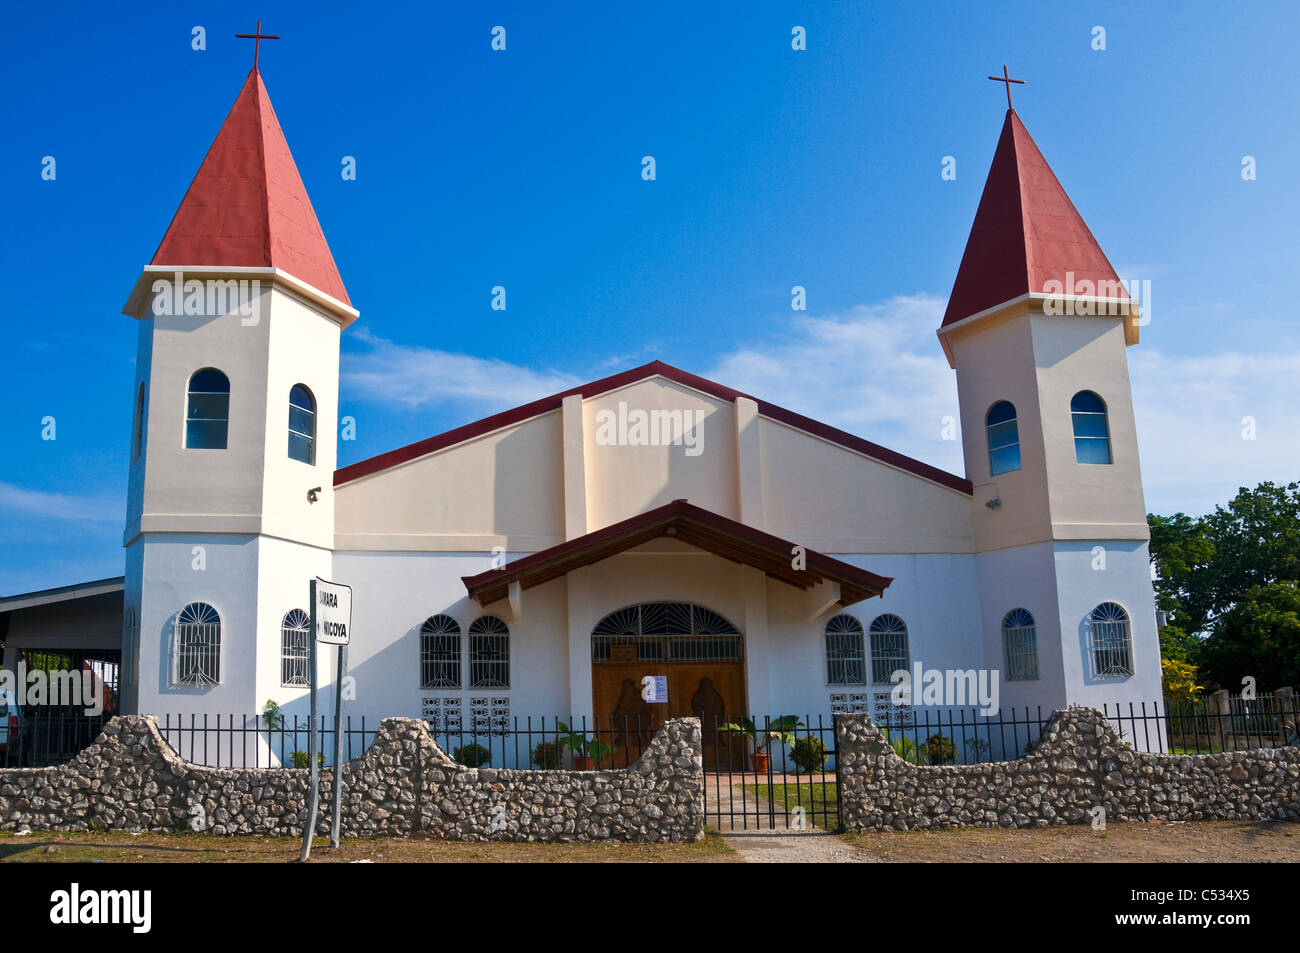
pixel 654 689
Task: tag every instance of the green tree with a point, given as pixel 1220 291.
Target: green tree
pixel 1206 564
pixel 1229 579
pixel 1259 636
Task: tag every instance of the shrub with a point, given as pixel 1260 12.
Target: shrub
pixel 939 749
pixel 300 759
pixel 272 717
pixel 977 749
pixel 472 756
pixel 809 754
pixel 547 755
pixel 905 748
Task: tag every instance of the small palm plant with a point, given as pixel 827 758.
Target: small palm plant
pixel 587 752
pixel 761 738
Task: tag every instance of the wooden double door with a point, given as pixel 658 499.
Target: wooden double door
pixel 713 691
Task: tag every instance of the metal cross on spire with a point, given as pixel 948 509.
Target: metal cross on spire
pixel 1006 78
pixel 258 36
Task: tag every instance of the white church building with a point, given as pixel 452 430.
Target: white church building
pixel 543 560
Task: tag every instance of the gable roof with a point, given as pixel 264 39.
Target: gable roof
pixel 1026 233
pixel 694 526
pixel 469 431
pixel 247 205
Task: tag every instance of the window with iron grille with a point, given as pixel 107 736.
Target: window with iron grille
pixel 888 647
pixel 440 652
pixel 1110 644
pixel 489 653
pixel 673 632
pixel 295 648
pixel 196 646
pixel 1020 645
pixel 846 662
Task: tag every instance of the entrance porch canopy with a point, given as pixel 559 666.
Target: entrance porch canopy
pixel 697 527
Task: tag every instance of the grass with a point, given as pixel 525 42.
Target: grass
pixel 818 799
pixel 185 847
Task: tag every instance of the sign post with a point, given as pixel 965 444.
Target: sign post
pixel 337 806
pixel 331 622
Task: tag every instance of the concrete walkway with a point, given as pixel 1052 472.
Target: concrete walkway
pixel 777 847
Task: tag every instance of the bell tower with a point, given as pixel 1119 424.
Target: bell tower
pixel 1037 328
pixel 230 500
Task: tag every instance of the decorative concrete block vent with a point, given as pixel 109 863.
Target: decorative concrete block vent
pixel 1078 764
pixel 131 779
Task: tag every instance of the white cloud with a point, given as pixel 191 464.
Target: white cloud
pixel 876 371
pixel 417 376
pixel 60 506
pixel 879 372
pixel 1191 414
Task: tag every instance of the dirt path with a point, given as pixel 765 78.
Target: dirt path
pixel 1192 842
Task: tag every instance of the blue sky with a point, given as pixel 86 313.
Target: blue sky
pixel 522 168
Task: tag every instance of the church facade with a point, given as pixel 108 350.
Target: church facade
pixel 544 560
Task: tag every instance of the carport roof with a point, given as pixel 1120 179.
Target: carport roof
pixel 81 590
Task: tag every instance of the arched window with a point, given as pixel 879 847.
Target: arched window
pixel 207 410
pixel 846 662
pixel 196 654
pixel 440 652
pixel 489 653
pixel 295 648
pixel 670 632
pixel 1110 643
pixel 1020 645
pixel 302 425
pixel 1091 430
pixel 888 647
pixel 1004 438
pixel 137 438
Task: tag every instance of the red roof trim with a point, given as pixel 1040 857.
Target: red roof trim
pixel 247 206
pixel 1026 235
pixel 551 562
pixel 655 368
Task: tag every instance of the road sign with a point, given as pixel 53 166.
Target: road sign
pixel 331 622
pixel 333 612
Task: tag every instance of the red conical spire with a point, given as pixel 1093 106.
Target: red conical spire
pixel 1027 232
pixel 247 205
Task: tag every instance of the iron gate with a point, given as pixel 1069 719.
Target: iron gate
pixel 771 773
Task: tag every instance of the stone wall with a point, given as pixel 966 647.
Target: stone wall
pixel 1079 763
pixel 131 779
